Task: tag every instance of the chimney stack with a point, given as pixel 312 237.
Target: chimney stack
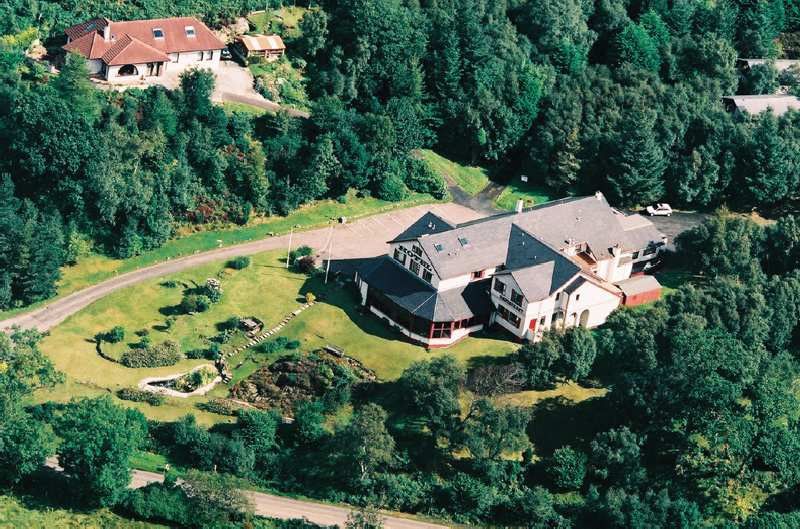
pixel 598 195
pixel 107 32
pixel 519 206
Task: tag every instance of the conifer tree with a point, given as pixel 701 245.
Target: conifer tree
pixel 639 163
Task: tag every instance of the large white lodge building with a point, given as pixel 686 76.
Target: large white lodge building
pixel 564 263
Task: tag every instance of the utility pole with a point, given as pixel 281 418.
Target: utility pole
pixel 330 254
pixel 289 250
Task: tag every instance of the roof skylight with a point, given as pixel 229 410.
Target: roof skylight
pixel 190 31
pixel 158 33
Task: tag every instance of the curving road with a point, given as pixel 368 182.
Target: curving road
pixel 272 506
pixel 363 238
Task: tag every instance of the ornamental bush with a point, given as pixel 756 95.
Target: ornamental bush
pixel 195 303
pixel 164 354
pixel 239 263
pixel 567 468
pixel 138 395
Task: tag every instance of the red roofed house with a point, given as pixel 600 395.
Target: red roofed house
pixel 127 51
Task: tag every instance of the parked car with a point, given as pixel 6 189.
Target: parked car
pixel 226 54
pixel 660 210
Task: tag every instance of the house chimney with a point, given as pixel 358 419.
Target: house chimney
pixel 519 206
pixel 598 195
pixel 107 32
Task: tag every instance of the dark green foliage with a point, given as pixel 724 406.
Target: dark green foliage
pixel 138 395
pixel 98 438
pixel 192 303
pixel 167 353
pixel 638 165
pixel 239 263
pixel 431 389
pixel 300 251
pixel 723 245
pixel 201 500
pixel 115 335
pixel 567 468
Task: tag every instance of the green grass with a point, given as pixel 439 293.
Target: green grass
pixel 149 461
pixel 284 21
pixel 233 106
pixel 471 179
pixel 265 290
pixel 96 268
pixel 672 277
pixel 15 514
pixel 516 189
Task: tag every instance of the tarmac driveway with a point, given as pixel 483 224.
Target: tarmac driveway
pixel 677 224
pixel 348 242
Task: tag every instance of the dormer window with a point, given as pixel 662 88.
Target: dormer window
pixel 438 247
pixel 158 33
pixel 463 241
pixel 190 31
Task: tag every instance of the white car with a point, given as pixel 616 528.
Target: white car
pixel 660 210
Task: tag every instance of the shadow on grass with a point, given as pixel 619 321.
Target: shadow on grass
pixel 48 489
pixel 558 422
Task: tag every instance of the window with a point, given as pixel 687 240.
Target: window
pixel 650 251
pixel 463 241
pixel 417 250
pixel 190 31
pixel 399 256
pixel 577 297
pixel 516 298
pixel 509 316
pixel 209 55
pixel 499 286
pixel 427 276
pixel 635 255
pixel 441 329
pixel 477 275
pixel 158 33
pixel 414 267
pixel 558 296
pixel 438 247
pixel 541 320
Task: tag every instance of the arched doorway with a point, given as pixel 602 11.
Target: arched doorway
pixel 127 70
pixel 585 318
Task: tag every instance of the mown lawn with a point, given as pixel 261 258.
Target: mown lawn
pixel 233 106
pixel 516 189
pixel 15 514
pixel 95 268
pixel 265 290
pixel 471 179
pixel 285 21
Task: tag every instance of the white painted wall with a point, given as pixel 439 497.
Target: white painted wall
pixel 94 66
pixel 181 61
pixel 456 335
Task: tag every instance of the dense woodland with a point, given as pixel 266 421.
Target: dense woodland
pixel 700 427
pixel 621 96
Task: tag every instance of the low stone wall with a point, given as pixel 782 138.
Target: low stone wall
pixel 146 384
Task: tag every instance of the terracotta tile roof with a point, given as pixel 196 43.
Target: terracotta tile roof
pixel 94 25
pixel 128 50
pixel 91 45
pixel 262 42
pixel 136 39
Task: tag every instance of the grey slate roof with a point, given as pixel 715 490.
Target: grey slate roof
pixel 483 243
pixel 427 224
pixel 638 285
pixel 755 104
pixel 419 298
pixel 575 285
